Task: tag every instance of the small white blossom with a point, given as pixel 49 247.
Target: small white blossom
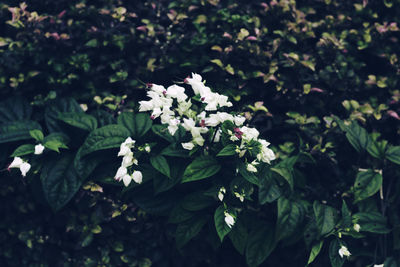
pixel 145 105
pixel 39 149
pixel 379 265
pixel 188 146
pixel 127 179
pixel 124 150
pixel 357 227
pixel 229 220
pixel 137 177
pixel 177 92
pixel 128 160
pixel 266 155
pixel 147 148
pixel 343 251
pixel 221 193
pixel 24 168
pixel 239 120
pixel 249 133
pixel 16 163
pixel 251 167
pixel 120 173
pixel 239 196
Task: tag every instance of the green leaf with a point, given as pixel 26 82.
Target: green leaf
pixel 325 217
pixel 189 229
pixel 161 165
pixel 269 190
pixel 391 262
pixel 315 250
pixel 55 141
pixel 17 130
pixel 248 175
pixel 54 108
pixel 372 222
pixel 14 109
pixel 162 131
pixel 60 181
pixel 110 136
pixel 37 135
pixel 202 167
pixel 229 150
pixel 260 243
pixel 377 149
pixel 357 136
pixel 346 216
pixel 23 150
pixel 393 154
pixel 367 184
pixel 137 124
pixel 179 214
pixel 238 235
pixel 220 225
pixel 286 174
pixel 173 150
pixel 290 215
pixel 336 260
pixel 196 201
pixel 79 120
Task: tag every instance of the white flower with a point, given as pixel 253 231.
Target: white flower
pixel 137 177
pixel 39 149
pixel 357 227
pixel 120 173
pixel 239 196
pixel 379 265
pixel 188 146
pixel 343 251
pixel 239 120
pixel 251 167
pixel 199 140
pixel 221 193
pixel 229 220
pixel 128 160
pixel 129 142
pixel 173 126
pixel 147 148
pixel 266 155
pixel 212 121
pixel 16 163
pixel 145 105
pixel 217 136
pixel 177 92
pixel 24 168
pixel 183 107
pixel 127 179
pixel 123 150
pixel 159 89
pixel 249 133
pixel 156 113
pixel 223 116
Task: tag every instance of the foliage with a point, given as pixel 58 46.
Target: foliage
pixel 319 79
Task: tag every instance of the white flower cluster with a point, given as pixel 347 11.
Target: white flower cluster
pixel 22 165
pixel 127 161
pixel 343 251
pixel 229 219
pixel 179 112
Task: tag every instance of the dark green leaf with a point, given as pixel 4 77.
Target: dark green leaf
pixel 173 150
pixel 220 225
pixel 162 131
pixel 161 165
pixel 336 260
pixel 196 201
pixel 14 109
pixel 79 120
pixel 60 181
pixel 201 168
pixel 229 150
pixel 110 136
pixel 53 109
pixel 325 217
pixel 179 214
pixel 17 131
pixel 391 262
pixel 316 248
pixel 260 243
pixel 286 174
pixel 372 222
pixel 55 141
pixel 189 229
pixel 238 235
pixel 37 135
pixel 290 215
pixel 137 124
pixel 23 150
pixel 367 184
pixel 346 216
pixel 248 175
pixel 393 154
pixel 269 190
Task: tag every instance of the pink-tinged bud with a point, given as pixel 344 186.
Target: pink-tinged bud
pixel 142 28
pixel 164 93
pixel 273 3
pixel 251 38
pixel 153 5
pixel 52 21
pixel 393 102
pixel 192 7
pixel 264 5
pixel 152 117
pixel 203 98
pixel 186 80
pixel 393 114
pixel 315 89
pixel 62 13
pixel 227 35
pixel 55 36
pixel 345 51
pixel 238 136
pixel 203 123
pixel 149 85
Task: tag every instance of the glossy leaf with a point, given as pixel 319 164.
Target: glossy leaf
pixel 334 257
pixel 201 168
pixel 138 124
pixel 220 225
pixel 161 165
pixel 17 131
pixel 393 154
pixel 367 184
pixel 315 250
pixel 23 150
pixel 260 244
pixel 189 229
pixel 325 217
pixel 80 120
pixel 229 150
pixel 290 215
